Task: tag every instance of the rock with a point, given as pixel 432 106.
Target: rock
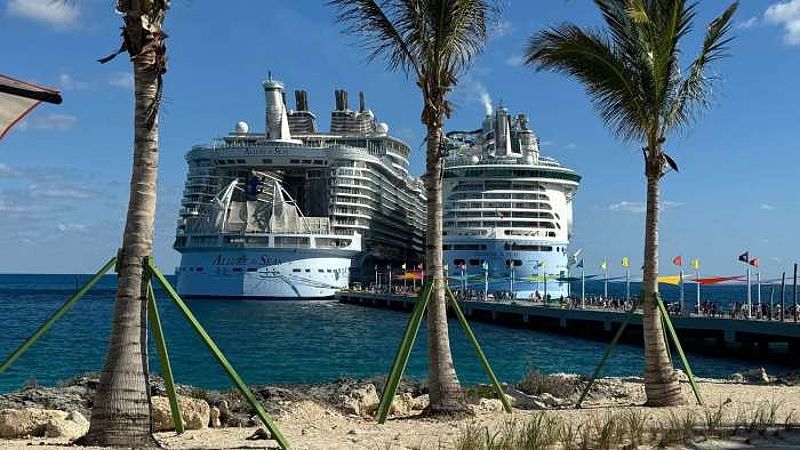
pixel 421 402
pixel 361 400
pixel 402 405
pixel 16 423
pixel 260 434
pixel 196 413
pixel 758 375
pixel 522 400
pixel 682 377
pixel 488 405
pixel 214 418
pixel 551 401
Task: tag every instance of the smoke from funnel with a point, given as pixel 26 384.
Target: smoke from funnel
pixel 487 102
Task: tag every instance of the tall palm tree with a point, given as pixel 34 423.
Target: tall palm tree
pixel 121 412
pixel 633 76
pixel 434 41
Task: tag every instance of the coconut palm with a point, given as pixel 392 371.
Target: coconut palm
pixel 633 76
pixel 121 412
pixel 433 41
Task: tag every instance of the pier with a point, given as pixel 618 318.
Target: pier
pixel 747 339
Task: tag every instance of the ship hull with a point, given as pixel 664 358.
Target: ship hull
pixel 267 274
pixel 535 277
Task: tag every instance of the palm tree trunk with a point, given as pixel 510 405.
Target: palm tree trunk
pixel 121 410
pixel 443 386
pixel 661 384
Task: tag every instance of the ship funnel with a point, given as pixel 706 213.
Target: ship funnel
pixel 277 123
pixel 301 100
pixel 361 103
pixel 502 132
pixel 341 100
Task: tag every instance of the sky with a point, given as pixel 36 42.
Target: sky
pixel 65 170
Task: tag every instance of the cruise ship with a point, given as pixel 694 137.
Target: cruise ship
pixel 297 213
pixel 507 211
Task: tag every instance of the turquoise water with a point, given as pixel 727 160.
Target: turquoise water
pixel 285 342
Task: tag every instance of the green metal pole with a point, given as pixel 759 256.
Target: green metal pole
pixel 57 315
pixel 607 353
pixel 674 335
pixel 220 357
pixel 403 352
pixel 481 356
pixel 163 359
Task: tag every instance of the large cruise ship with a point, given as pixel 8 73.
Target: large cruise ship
pixel 294 212
pixel 507 211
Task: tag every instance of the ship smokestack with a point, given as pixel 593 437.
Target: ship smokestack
pixel 301 100
pixel 276 121
pixel 341 100
pixel 502 132
pixel 361 103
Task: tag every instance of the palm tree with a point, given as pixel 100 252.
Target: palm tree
pixel 433 41
pixel 633 76
pixel 121 412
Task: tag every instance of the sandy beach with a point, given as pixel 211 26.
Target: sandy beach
pixel 309 424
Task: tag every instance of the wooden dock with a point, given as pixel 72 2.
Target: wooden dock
pixel 751 339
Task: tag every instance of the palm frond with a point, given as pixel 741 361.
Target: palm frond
pixel 611 82
pixel 695 89
pixel 389 35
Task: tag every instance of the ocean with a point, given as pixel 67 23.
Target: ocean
pixel 292 342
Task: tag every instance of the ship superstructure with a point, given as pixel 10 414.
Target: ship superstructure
pixel 294 212
pixel 507 211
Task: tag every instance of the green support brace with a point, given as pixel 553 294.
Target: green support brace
pixel 220 357
pixel 607 353
pixel 484 361
pixel 57 315
pixel 403 352
pixel 665 316
pixel 163 358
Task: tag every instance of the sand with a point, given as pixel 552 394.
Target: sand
pixel 310 425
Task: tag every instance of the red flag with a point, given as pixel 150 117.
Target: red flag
pixel 754 262
pixel 678 261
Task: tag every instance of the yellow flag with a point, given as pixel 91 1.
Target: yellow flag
pixel 696 264
pixel 626 262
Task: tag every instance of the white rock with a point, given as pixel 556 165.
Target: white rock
pixel 550 400
pixel 16 423
pixel 421 402
pixel 402 405
pixel 214 415
pixel 360 400
pixel 522 400
pixel 196 413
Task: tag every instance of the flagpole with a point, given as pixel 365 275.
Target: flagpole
pixel 748 292
pixel 697 280
pixel 405 276
pixel 758 290
pixel 583 287
pixel 377 286
pixel 486 280
pixel 627 284
pixel 545 284
pixel 783 294
pixel 512 276
pixel 605 283
pixel 683 309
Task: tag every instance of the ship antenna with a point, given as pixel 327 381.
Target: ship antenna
pixel 269 75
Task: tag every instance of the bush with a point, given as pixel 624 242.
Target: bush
pixel 537 383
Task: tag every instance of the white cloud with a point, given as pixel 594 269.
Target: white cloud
pixel 6 171
pixel 571 146
pixel 501 28
pixel 51 121
pixel 121 79
pixel 79 227
pixel 60 192
pixel 68 83
pixel 749 23
pixel 787 15
pixel 767 207
pixel 62 14
pixel 639 207
pixel 514 60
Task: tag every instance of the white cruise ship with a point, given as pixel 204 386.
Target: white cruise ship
pixel 507 211
pixel 295 213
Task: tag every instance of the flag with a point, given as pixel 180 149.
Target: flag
pixel 745 257
pixel 403 266
pixel 580 264
pixel 603 265
pixel 485 265
pixel 420 266
pixel 463 266
pixel 626 262
pixel 754 262
pixel 678 261
pixel 695 264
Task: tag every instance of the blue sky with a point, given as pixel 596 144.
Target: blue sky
pixel 64 172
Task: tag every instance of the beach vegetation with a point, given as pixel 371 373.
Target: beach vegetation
pixel 433 43
pixel 632 73
pixel 535 382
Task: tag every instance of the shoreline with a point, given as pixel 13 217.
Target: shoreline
pixel 340 415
